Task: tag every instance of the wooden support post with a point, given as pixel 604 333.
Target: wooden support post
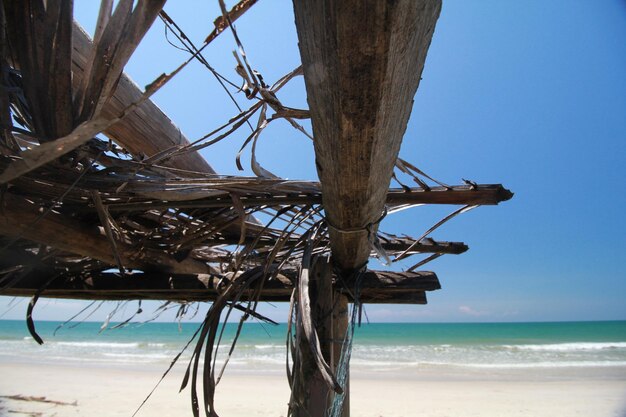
pixel 321 305
pixel 329 309
pixel 341 321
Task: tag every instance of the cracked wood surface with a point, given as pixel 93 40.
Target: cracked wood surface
pixel 362 64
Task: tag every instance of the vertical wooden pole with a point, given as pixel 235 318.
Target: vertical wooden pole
pixel 321 306
pixel 341 321
pixel 330 317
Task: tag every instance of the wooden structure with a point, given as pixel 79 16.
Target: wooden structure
pixel 143 216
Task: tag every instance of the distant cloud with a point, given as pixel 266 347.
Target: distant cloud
pixel 471 312
pixel 398 314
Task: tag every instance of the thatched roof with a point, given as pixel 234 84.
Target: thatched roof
pixel 143 216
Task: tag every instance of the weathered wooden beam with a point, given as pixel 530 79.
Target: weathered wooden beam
pixel 362 63
pixel 147 130
pixel 490 194
pixel 378 287
pixel 21 219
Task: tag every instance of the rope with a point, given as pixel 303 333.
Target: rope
pixel 372 236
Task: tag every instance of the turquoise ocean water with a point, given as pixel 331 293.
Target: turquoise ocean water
pixel 377 347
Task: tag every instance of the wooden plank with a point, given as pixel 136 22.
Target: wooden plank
pixel 20 218
pixel 362 64
pixel 378 287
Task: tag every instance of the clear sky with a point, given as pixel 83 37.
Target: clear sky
pixel 528 94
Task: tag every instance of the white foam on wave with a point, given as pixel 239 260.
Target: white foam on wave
pixel 569 347
pixel 257 360
pixel 131 356
pixel 558 364
pixel 265 347
pixel 530 365
pixel 114 345
pixel 377 363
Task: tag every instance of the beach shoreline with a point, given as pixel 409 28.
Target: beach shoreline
pixel 396 370
pixel 115 391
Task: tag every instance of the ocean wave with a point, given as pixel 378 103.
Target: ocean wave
pixel 562 364
pixel 141 356
pixel 114 345
pixel 364 364
pixel 160 345
pixel 264 347
pixel 568 347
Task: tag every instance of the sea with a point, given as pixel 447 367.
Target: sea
pixel 377 347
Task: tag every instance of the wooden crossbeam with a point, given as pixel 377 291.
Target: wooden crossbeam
pixel 21 219
pixel 377 287
pixel 485 194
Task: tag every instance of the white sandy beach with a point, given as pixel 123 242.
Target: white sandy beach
pixel 94 391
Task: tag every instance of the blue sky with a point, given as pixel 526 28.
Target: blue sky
pixel 528 94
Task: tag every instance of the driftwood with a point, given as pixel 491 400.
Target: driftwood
pixel 30 398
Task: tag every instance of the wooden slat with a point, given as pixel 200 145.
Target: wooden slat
pixel 378 287
pixel 19 218
pixel 362 64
